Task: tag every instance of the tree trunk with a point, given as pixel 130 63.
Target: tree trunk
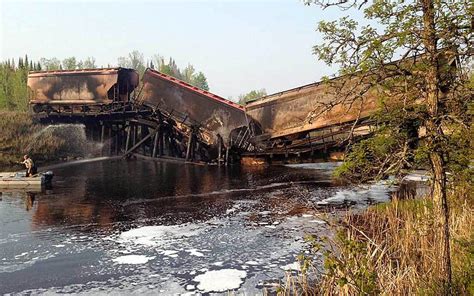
pixel 434 133
pixel 441 206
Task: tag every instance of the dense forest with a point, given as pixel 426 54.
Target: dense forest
pixel 13 73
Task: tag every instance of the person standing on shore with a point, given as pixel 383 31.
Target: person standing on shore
pixel 30 166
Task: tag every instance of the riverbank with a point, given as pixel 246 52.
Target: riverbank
pixel 394 248
pixel 19 135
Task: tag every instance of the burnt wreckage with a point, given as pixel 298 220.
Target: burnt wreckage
pixel 159 117
pixel 164 117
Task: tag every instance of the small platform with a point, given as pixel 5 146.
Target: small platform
pixel 19 180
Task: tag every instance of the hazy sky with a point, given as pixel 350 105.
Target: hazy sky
pixel 239 45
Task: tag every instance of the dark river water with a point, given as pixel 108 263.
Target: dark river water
pixel 138 227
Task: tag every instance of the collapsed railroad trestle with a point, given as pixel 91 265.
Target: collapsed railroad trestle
pixel 164 117
pixel 139 131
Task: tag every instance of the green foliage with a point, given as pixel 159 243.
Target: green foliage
pixel 200 80
pixel 50 64
pixel 13 91
pixel 395 145
pixel 252 96
pixel 353 267
pixel 188 74
pixel 88 63
pixel 359 163
pixel 69 63
pixel 134 60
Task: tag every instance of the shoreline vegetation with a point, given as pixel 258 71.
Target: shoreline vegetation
pixel 392 248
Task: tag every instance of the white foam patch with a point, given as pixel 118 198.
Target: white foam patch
pixel 195 252
pixel 220 280
pixel 292 266
pixel 378 192
pixel 153 236
pixel 169 253
pixel 132 259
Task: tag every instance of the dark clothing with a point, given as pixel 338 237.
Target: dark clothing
pixel 31 171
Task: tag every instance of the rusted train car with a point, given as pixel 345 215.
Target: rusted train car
pixel 192 106
pixel 311 107
pixel 88 90
pixel 334 102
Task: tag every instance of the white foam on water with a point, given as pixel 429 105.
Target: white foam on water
pixel 21 255
pixel 233 209
pixel 170 253
pixel 59 246
pixel 195 252
pixel 133 259
pixel 220 280
pixel 153 236
pixel 379 192
pixel 292 266
pixel 251 262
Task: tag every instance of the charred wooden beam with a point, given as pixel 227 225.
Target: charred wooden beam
pixel 137 145
pixel 155 142
pixel 190 143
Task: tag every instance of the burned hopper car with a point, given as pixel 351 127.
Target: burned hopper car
pixel 191 105
pixel 311 107
pixel 89 90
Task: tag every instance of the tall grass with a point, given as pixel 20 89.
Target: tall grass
pixel 395 249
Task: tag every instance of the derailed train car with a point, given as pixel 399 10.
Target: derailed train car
pixel 88 90
pixel 335 102
pixel 217 116
pixel 311 107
